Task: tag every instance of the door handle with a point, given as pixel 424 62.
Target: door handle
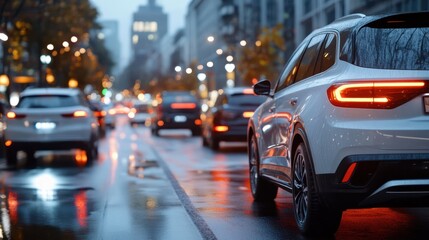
pixel 272 109
pixel 293 101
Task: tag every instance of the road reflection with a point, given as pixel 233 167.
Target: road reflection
pixel 46 200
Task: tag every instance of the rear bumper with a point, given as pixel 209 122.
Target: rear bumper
pixel 234 134
pixel 382 180
pixel 37 146
pixel 170 123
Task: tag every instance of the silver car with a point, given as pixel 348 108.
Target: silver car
pixel 50 119
pixel 346 125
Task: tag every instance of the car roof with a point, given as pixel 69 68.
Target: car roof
pixel 50 91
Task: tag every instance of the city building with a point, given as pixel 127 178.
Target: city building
pixel 313 14
pixel 149 26
pixel 216 29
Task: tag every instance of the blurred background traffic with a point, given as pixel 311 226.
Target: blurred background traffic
pixel 223 43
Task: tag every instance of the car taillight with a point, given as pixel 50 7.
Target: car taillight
pixel 76 114
pixel 221 128
pixel 13 115
pixel 375 94
pixel 183 105
pixel 112 111
pixel 247 114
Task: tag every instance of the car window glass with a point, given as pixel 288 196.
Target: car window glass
pixel 393 48
pixel 51 101
pixel 289 72
pixel 327 58
pixel 246 100
pixel 308 62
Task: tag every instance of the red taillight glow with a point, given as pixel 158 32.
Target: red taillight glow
pixel 13 115
pixel 221 128
pixel 197 122
pixel 183 105
pixel 349 173
pixel 76 114
pixel 375 94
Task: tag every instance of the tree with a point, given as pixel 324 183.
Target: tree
pixel 262 59
pixel 46 22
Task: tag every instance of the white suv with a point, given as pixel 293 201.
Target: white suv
pixel 346 124
pixel 50 119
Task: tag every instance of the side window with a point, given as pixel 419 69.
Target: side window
pixel 309 59
pixel 327 56
pixel 289 73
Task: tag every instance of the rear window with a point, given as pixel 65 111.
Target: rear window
pixel 142 108
pixel 246 100
pixel 393 48
pixel 179 98
pixel 48 101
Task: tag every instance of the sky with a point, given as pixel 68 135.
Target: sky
pixel 123 10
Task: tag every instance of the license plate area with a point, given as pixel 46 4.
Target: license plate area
pixel 180 118
pixel 426 103
pixel 45 126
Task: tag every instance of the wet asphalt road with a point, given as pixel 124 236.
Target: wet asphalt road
pixel 167 187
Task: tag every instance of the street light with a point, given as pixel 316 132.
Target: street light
pixel 3 37
pixel 45 59
pixel 210 39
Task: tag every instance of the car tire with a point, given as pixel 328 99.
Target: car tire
pixel 155 132
pixel 311 215
pixel 214 144
pixel 262 190
pixel 92 150
pixel 11 158
pixel 196 132
pixel 31 160
pixel 204 140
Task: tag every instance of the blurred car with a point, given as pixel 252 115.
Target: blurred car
pixel 176 110
pixel 113 111
pixel 50 119
pixel 100 114
pixel 110 117
pixel 227 119
pixel 140 113
pixel 346 124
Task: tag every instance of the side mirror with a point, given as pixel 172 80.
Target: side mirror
pixel 262 87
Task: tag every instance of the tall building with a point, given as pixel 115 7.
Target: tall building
pixel 149 26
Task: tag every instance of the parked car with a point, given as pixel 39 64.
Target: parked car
pixel 176 110
pixel 140 113
pixel 50 119
pixel 346 124
pixel 226 120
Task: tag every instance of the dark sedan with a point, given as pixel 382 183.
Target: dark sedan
pixel 227 119
pixel 176 110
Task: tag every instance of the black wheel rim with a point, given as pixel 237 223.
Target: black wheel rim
pixel 300 188
pixel 253 168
